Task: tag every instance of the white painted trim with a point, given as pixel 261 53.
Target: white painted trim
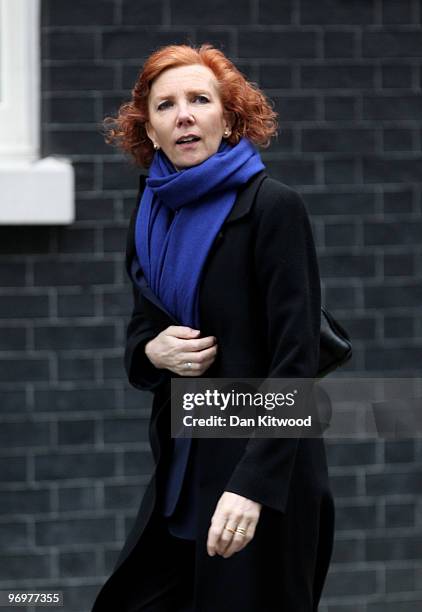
pixel 37 193
pixel 32 191
pixel 20 79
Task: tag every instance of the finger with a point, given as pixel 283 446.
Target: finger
pixel 199 357
pixel 192 372
pixel 214 532
pixel 199 344
pixel 234 539
pixel 189 368
pixel 182 331
pixel 239 541
pixel 226 536
pixel 205 367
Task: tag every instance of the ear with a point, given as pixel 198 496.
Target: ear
pixel 229 119
pixel 150 132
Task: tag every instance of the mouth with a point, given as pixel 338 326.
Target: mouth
pixel 185 142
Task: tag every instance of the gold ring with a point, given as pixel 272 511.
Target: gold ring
pixel 230 529
pixel 241 530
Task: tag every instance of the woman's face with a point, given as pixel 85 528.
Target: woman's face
pixel 184 103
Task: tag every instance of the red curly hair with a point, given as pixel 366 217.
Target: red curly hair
pixel 253 115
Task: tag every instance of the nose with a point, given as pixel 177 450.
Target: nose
pixel 184 116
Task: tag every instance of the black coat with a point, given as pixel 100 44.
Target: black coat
pixel 260 297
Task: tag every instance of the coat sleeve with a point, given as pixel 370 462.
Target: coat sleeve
pixel 141 373
pixel 289 287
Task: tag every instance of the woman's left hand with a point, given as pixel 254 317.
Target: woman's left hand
pixel 232 511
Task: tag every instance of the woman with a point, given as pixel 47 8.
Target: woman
pixel 226 284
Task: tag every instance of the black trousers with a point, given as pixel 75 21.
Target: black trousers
pixel 163 579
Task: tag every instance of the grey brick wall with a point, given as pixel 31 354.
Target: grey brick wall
pixel 346 80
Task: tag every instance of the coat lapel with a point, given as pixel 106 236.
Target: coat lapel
pixel 246 197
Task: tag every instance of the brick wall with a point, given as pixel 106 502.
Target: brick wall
pixel 346 80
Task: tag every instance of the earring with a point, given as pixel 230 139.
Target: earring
pixel 156 146
pixel 227 133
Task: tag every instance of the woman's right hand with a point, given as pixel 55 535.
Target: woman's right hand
pixel 178 345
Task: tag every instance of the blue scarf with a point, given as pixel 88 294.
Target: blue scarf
pixel 179 217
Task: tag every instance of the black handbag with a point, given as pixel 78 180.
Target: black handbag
pixel 335 347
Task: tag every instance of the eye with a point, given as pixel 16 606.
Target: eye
pixel 201 98
pixel 163 105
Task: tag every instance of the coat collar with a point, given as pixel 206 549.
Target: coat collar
pixel 245 197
